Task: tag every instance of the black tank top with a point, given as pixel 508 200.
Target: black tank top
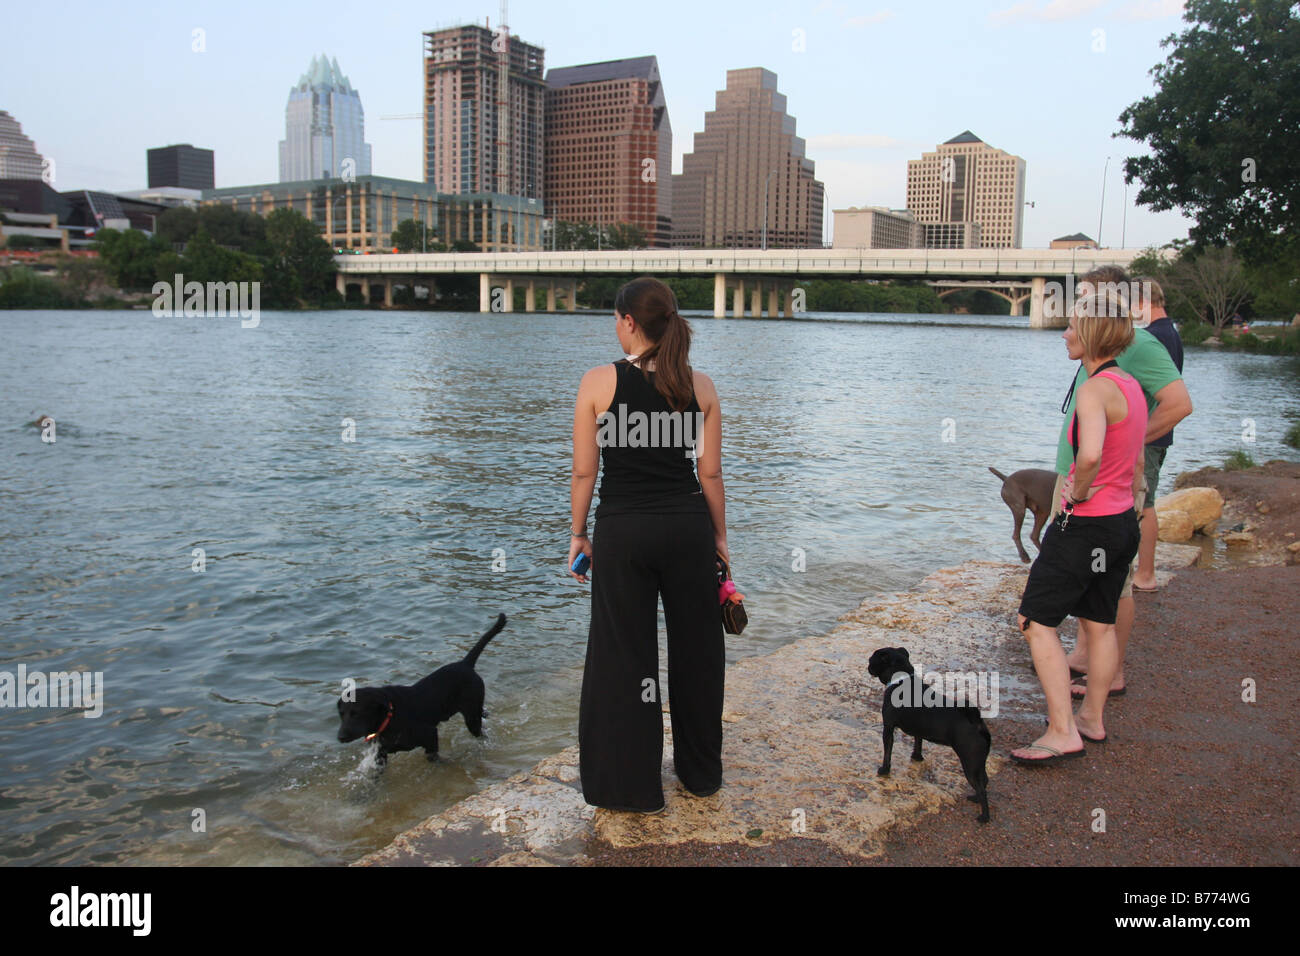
pixel 647 449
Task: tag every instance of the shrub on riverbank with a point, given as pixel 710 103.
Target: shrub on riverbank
pixel 1267 340
pixel 1238 461
pixel 24 289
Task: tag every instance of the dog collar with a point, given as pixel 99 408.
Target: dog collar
pixel 387 719
pixel 898 678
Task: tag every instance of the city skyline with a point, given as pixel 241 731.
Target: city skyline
pixel 871 87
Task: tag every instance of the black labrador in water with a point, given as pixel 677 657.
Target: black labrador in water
pixel 961 728
pixel 403 718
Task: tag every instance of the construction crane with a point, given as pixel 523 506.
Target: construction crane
pixel 503 105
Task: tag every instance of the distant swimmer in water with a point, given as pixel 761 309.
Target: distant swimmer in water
pixel 42 421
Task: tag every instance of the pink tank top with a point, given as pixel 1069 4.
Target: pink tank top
pixel 1119 453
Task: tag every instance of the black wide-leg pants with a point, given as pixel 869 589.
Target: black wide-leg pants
pixel 636 559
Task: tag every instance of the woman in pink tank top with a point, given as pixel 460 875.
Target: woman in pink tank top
pixel 1086 553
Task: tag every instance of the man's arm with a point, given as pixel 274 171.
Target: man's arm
pixel 1173 404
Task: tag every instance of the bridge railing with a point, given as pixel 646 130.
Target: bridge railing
pixel 813 262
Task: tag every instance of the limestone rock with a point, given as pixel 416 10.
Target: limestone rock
pixel 1176 556
pixel 1175 526
pixel 1239 539
pixel 1202 505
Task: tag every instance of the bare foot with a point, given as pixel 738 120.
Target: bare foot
pixel 1093 733
pixel 1079 688
pixel 1078 664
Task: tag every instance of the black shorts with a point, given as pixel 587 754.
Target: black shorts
pixel 1080 571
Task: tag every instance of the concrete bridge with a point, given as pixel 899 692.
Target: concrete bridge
pixel 1018 275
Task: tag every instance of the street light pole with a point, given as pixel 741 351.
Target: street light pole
pixel 1102 211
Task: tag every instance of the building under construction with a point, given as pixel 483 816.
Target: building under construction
pixel 475 139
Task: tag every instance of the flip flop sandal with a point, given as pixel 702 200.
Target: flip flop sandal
pixel 1056 756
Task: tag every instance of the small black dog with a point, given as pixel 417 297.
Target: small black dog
pixel 403 718
pixel 961 728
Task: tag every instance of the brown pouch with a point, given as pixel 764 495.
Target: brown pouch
pixel 734 617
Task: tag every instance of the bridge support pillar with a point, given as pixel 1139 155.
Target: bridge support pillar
pixel 771 302
pixel 738 299
pixel 509 304
pixel 756 299
pixel 1037 317
pixel 484 292
pixel 550 296
pixel 388 293
pixel 720 295
pixel 365 290
pixel 341 284
pixel 573 296
pixel 530 297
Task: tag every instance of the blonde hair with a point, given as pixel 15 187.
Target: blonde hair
pixel 1103 324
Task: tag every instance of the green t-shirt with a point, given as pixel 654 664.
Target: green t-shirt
pixel 1147 360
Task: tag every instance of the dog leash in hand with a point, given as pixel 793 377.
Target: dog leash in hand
pixel 387 720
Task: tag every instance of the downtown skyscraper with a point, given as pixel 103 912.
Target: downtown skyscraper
pixel 484 112
pixel 609 147
pixel 748 183
pixel 324 127
pixel 967 194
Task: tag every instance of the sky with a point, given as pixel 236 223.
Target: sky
pixel 870 84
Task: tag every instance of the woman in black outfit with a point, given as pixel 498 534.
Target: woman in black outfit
pixel 661 518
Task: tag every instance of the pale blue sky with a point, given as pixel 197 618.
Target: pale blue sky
pixel 95 84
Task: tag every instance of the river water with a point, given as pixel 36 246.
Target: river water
pixel 858 442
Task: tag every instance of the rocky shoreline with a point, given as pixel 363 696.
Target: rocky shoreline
pixel 1192 773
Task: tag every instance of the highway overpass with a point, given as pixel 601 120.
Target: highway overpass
pixel 748 275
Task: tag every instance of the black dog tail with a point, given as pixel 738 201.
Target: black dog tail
pixel 492 632
pixel 998 473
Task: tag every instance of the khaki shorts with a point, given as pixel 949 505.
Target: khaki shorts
pixel 1057 493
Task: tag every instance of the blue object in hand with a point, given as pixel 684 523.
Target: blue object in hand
pixel 581 563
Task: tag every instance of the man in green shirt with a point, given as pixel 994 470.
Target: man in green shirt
pixel 1168 403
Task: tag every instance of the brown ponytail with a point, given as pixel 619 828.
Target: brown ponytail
pixel 654 307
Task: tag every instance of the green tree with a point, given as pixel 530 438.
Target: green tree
pixel 130 257
pixel 1211 282
pixel 299 264
pixel 624 235
pixel 178 225
pixel 1223 126
pixel 411 235
pixel 205 261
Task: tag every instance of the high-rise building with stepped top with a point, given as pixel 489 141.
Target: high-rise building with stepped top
pixel 324 127
pixel 18 156
pixel 746 163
